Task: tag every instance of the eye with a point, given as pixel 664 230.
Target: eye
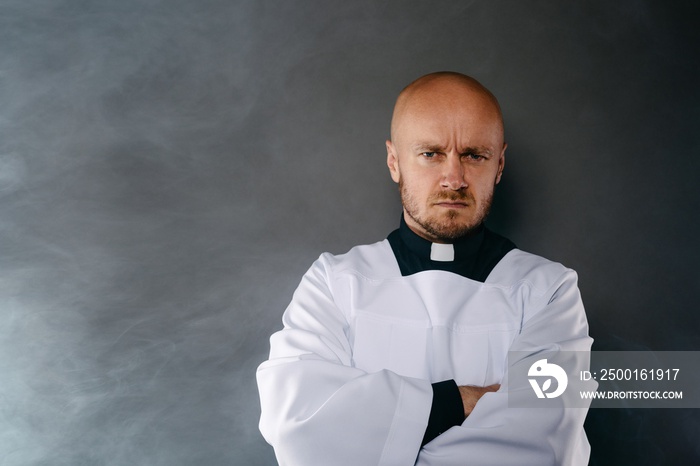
pixel 428 155
pixel 474 156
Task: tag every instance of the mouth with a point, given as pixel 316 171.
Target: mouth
pixel 452 204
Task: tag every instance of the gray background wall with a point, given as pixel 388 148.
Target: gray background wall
pixel 169 169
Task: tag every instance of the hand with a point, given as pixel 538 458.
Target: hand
pixel 471 394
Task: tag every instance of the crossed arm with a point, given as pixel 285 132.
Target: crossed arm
pixel 319 409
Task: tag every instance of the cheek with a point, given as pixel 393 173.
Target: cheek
pixel 418 188
pixel 421 178
pixel 484 190
pixel 483 181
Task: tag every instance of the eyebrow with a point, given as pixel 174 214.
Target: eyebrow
pixel 429 147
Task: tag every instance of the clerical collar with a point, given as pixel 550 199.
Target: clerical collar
pixel 473 256
pixel 461 249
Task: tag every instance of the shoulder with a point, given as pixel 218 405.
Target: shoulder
pixel 523 268
pixel 372 261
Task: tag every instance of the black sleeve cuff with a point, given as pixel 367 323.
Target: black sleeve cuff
pixel 446 411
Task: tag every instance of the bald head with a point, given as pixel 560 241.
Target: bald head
pixel 444 91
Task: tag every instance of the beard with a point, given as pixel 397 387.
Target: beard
pixel 450 225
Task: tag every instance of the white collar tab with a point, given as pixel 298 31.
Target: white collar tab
pixel 442 252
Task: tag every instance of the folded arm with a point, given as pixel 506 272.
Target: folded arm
pixel 317 408
pixel 496 434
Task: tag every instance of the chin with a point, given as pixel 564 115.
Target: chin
pixel 449 231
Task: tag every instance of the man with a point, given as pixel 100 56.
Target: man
pixel 396 353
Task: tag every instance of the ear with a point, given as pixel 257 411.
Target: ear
pixel 501 163
pixel 392 161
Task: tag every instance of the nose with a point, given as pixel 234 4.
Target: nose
pixel 453 177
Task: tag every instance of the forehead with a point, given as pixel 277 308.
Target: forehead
pixel 438 119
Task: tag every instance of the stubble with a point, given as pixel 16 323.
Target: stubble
pixel 449 225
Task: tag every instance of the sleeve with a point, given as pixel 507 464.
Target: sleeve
pixel 499 435
pixel 317 408
pixel 446 410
